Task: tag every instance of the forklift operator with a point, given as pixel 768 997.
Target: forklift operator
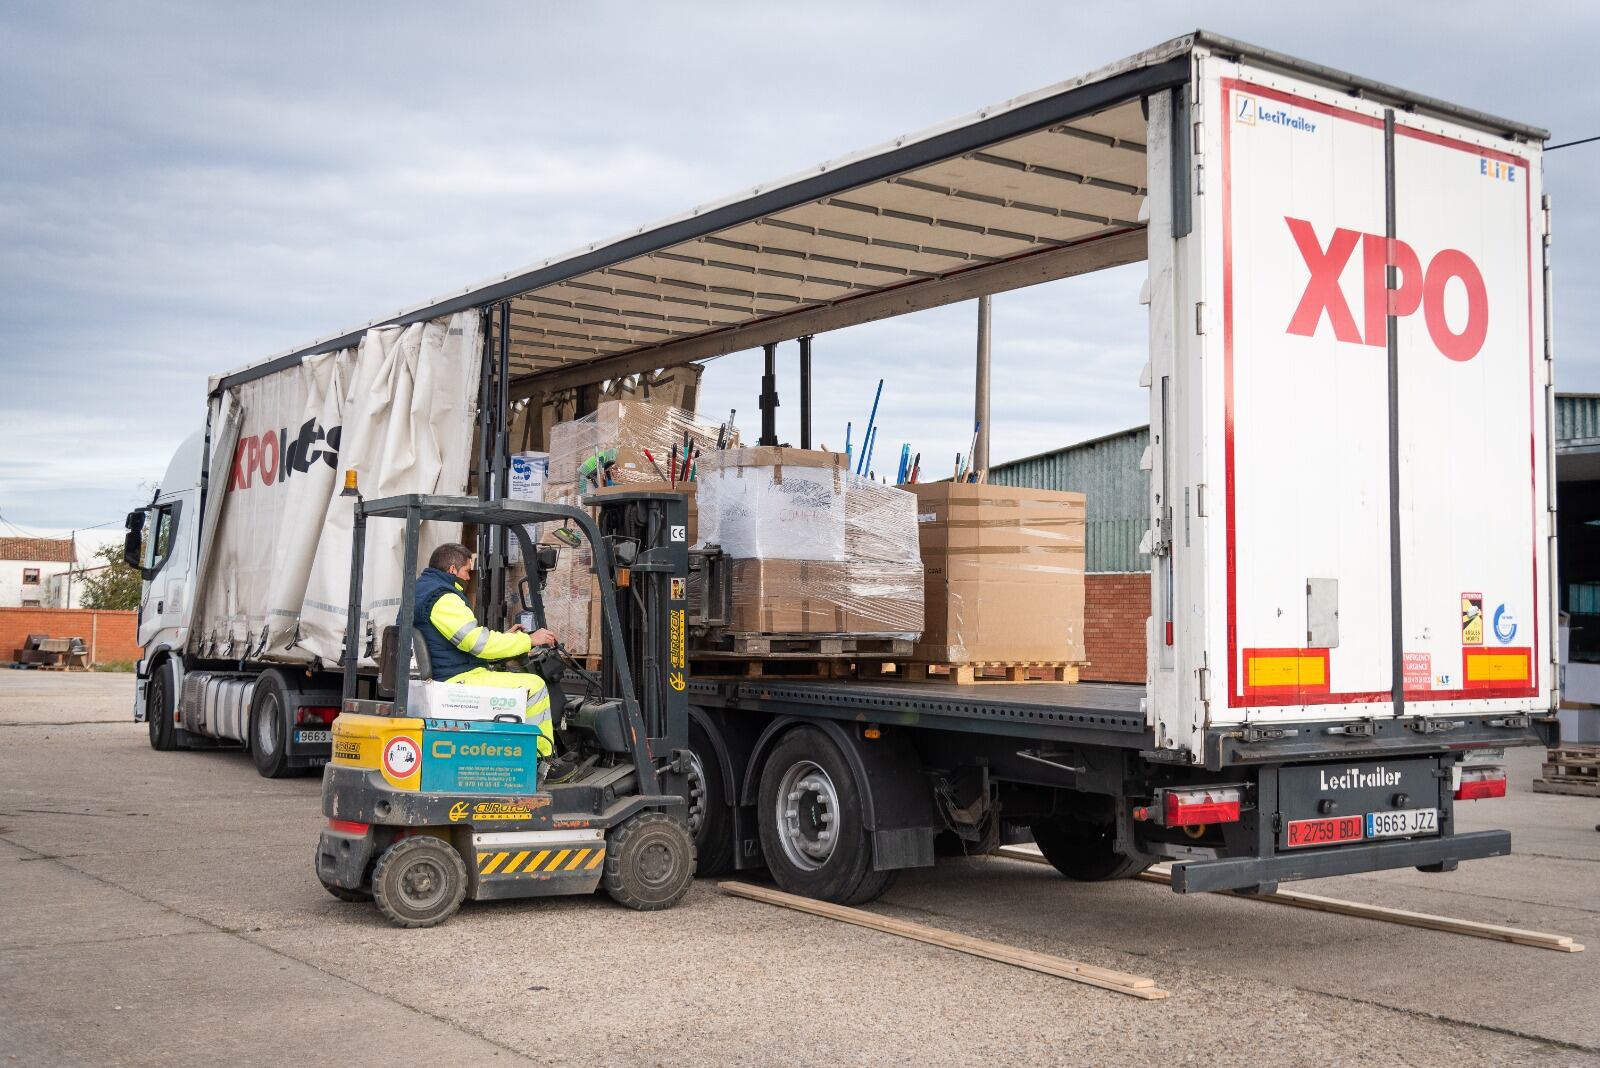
pixel 462 651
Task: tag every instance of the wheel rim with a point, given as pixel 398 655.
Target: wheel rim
pixel 267 725
pixel 697 793
pixel 423 884
pixel 807 815
pixel 655 864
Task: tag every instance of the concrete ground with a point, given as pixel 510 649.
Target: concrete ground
pixel 160 909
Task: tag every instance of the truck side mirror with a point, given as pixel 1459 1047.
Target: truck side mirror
pixel 131 540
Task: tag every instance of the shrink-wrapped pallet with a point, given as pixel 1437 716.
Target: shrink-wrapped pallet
pixel 814 549
pixel 630 429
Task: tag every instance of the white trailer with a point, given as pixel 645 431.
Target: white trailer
pixel 1351 508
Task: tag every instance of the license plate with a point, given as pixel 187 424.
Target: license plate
pixel 314 737
pixel 1303 833
pixel 1402 823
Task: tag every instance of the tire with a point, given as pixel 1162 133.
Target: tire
pixel 710 818
pixel 419 881
pixel 269 726
pixel 160 701
pixel 816 844
pixel 344 893
pixel 1084 851
pixel 649 862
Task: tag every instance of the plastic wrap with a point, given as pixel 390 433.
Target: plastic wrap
pixel 629 428
pixel 815 550
pixel 1003 574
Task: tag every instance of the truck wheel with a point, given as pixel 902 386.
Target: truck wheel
pixel 710 818
pixel 811 828
pixel 649 862
pixel 1084 851
pixel 419 881
pixel 160 702
pixel 269 726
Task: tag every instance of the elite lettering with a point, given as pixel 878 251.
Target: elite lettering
pixel 1418 287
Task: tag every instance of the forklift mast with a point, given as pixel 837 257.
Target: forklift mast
pixel 648 535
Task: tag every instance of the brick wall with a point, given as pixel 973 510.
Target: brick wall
pixel 109 635
pixel 1115 608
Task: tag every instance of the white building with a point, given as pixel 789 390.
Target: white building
pixel 26 568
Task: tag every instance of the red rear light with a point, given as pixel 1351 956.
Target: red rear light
pixel 1186 808
pixel 323 714
pixel 347 827
pixel 1489 782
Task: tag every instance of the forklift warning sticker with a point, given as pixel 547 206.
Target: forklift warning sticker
pixel 400 757
pixel 1472 619
pixel 1418 668
pixel 680 588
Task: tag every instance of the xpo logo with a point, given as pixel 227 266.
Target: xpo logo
pixel 1418 288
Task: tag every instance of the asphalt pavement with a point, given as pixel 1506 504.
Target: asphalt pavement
pixel 161 909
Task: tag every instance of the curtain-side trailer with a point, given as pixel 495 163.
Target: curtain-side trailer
pixel 1351 511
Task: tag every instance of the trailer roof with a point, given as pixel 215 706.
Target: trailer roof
pixel 1043 186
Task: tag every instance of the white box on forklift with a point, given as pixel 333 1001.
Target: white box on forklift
pixel 454 700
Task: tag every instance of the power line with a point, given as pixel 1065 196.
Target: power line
pixel 1569 144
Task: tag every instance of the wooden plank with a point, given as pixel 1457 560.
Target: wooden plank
pixel 1301 900
pixel 1567 787
pixel 1105 978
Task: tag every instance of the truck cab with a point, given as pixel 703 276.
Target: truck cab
pixel 162 541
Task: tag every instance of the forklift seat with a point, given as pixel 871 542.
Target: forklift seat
pixel 389 652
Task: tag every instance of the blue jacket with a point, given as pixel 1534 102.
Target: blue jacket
pixel 456 641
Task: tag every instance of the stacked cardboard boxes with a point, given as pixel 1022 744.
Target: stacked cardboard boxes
pixel 1004 574
pixel 814 549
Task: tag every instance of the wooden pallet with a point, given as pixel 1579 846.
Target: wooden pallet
pixel 996 671
pixel 1573 770
pixel 1570 787
pixel 808 647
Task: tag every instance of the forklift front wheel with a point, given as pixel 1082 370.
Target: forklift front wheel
pixel 419 881
pixel 649 862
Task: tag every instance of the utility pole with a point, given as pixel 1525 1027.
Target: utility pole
pixel 980 408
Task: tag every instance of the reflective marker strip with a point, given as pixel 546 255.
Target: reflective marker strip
pixel 482 643
pixel 1491 667
pixel 516 860
pixel 577 859
pixel 556 863
pixel 1286 671
pixel 599 855
pixel 495 862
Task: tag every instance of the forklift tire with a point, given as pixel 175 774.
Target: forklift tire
pixel 159 704
pixel 649 862
pixel 1084 851
pixel 710 818
pixel 269 726
pixel 419 881
pixel 808 788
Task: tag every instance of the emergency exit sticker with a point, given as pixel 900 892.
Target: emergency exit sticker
pixel 1472 619
pixel 1418 671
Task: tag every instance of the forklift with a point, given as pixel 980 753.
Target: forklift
pixel 426 810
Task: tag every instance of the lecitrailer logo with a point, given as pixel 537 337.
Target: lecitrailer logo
pixel 271 456
pixel 1249 112
pixel 1356 779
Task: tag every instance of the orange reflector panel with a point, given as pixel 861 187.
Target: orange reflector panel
pixel 1286 671
pixel 1495 667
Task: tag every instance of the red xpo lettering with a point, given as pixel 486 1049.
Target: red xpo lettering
pixel 1417 288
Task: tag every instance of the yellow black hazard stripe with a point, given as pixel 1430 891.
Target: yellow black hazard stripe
pixel 541 861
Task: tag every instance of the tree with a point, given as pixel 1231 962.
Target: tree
pixel 116 585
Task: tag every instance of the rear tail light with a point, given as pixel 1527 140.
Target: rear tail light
pixel 347 827
pixel 323 714
pixel 1478 783
pixel 1187 808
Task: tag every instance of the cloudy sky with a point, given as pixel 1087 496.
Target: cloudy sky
pixel 185 188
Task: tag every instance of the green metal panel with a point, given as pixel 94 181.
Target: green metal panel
pixel 1577 419
pixel 1117 494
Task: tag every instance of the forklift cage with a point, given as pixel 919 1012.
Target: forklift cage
pixel 414 508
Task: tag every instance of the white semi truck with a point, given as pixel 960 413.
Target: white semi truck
pixel 1351 510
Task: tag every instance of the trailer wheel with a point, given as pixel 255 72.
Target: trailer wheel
pixel 811 828
pixel 710 818
pixel 1084 851
pixel 649 862
pixel 159 704
pixel 269 726
pixel 419 881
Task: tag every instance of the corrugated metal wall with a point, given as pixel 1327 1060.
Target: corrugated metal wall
pixel 1106 471
pixel 1577 419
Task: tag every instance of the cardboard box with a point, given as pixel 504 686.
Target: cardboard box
pixel 630 427
pixel 450 700
pixel 528 471
pixel 1003 571
pixel 825 597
